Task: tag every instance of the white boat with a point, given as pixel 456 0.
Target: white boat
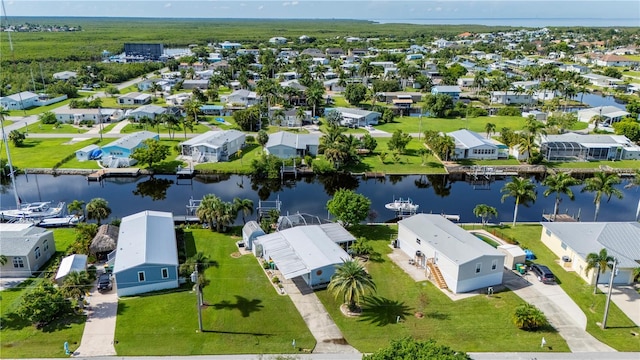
pixel 34 211
pixel 69 220
pixel 402 205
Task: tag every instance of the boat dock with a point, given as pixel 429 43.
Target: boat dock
pixel 185 173
pixel 559 218
pixel 374 175
pixel 113 172
pixel 185 219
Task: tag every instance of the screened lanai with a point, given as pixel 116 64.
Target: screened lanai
pixel 563 150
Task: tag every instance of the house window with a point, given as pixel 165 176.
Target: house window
pixel 417 241
pixel 563 246
pixel 18 262
pixel 494 265
pixel 45 245
pixel 548 232
pixel 37 252
pixel 165 273
pixel 140 276
pixel 478 267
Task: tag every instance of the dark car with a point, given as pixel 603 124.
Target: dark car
pixel 543 273
pixel 104 283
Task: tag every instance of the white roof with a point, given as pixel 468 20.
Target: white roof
pixel 214 139
pixel 296 141
pixel 147 237
pixel 132 140
pixel 21 96
pixel 300 250
pixel 514 250
pixel 449 239
pixel 468 139
pixel 71 263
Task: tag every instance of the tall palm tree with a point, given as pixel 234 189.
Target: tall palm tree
pixel 75 285
pixel 243 205
pixel 527 144
pixel 559 184
pixel 600 261
pixel 602 184
pixel 206 212
pixel 76 207
pixel 98 209
pixel 314 95
pixel 351 282
pixel 522 190
pixel 485 212
pixel 635 181
pixel 489 128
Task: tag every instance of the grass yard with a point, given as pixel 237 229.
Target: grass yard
pixel 618 334
pixel 621 164
pixel 237 164
pixel 40 128
pixel 245 314
pixel 479 323
pixel 162 129
pixel 40 109
pixel 412 125
pixel 44 153
pixel 409 163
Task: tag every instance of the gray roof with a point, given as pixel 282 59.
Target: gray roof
pixel 147 237
pixel 588 140
pixel 151 109
pixel 296 141
pixel 21 96
pixel 353 111
pixel 250 227
pixel 18 239
pixel 469 139
pixel 447 238
pixel 621 239
pixel 214 138
pixel 447 88
pixel 132 140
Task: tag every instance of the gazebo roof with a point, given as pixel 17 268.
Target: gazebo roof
pixel 105 240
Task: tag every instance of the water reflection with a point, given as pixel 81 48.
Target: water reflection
pixel 154 188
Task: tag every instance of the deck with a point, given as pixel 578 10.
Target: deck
pixel 113 172
pixel 559 218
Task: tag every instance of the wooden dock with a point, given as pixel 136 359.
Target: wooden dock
pixel 374 174
pixel 559 218
pixel 113 172
pixel 185 173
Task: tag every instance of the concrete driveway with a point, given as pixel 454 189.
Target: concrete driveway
pixel 627 298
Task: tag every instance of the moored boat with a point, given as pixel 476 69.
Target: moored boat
pixel 34 211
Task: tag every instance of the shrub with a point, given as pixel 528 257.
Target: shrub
pixel 250 139
pixel 275 280
pixel 529 317
pixel 322 166
pixel 509 111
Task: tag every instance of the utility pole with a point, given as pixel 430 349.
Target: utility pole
pixel 420 128
pixel 196 280
pixel 606 306
pixel 11 172
pixel 100 122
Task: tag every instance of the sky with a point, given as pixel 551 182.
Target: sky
pixel 321 9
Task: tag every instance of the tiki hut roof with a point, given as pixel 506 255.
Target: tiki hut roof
pixel 105 240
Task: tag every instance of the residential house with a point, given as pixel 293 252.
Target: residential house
pixel 613 60
pixel 69 264
pixel 250 232
pixel 572 146
pixel 312 251
pixel 601 80
pixel 390 96
pixel 471 145
pixel 20 101
pixel 229 45
pixel 124 146
pixel 459 259
pixel 134 98
pixel 213 146
pixel 442 43
pixel 334 52
pixel 510 98
pixel 580 69
pixel 65 75
pixel 466 82
pixel 278 40
pixel 195 84
pixel 313 53
pixel 573 242
pixel 452 91
pixel 149 111
pixel 178 99
pixel 610 114
pixel 89 152
pixel 96 116
pixel 218 110
pixel 413 57
pixel 26 247
pixel 147 255
pixel 286 145
pixel 243 97
pixel 352 117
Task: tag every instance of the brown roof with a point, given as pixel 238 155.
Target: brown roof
pixel 105 240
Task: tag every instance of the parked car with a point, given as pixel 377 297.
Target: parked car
pixel 543 273
pixel 104 283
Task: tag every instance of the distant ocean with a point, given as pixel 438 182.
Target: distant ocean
pixel 521 22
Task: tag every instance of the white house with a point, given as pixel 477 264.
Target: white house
pixel 601 80
pixel 76 116
pixel 471 145
pixel 250 232
pixel 356 117
pixel 278 40
pixel 147 254
pixel 285 145
pixel 20 101
pixel 26 247
pixel 309 251
pixel 65 75
pixel 575 241
pixel 461 260
pixel 610 114
pixel 243 97
pixel 510 97
pixel 572 146
pixel 134 98
pixel 69 264
pixel 213 146
pixel 150 111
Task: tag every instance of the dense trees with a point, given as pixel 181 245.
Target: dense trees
pixel 43 304
pixel 153 152
pixel 409 348
pixel 248 119
pixel 355 93
pixel 439 105
pixel 399 141
pixel 349 207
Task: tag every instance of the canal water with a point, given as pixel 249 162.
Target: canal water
pixel 433 193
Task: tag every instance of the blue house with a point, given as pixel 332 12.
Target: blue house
pixel 124 146
pixel 453 91
pixel 147 254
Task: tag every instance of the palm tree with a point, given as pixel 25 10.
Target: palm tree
pixel 479 80
pixel 635 181
pixel 527 144
pixel 3 260
pixel 600 261
pixel 314 95
pixel 523 190
pixel 206 212
pixel 75 285
pixel 485 212
pixel 243 205
pixel 489 128
pixel 351 281
pixel 559 184
pixel 602 184
pixel 98 209
pixel 76 207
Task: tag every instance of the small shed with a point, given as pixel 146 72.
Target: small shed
pixel 513 255
pixel 84 154
pixel 105 240
pixel 250 231
pixel 71 263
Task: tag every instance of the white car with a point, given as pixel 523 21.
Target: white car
pixel 369 128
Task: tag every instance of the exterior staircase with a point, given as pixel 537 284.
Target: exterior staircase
pixel 436 274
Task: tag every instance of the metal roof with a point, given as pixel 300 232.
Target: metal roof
pixel 469 139
pixel 132 140
pixel 71 263
pixel 214 139
pixel 296 141
pixel 447 238
pixel 621 239
pixel 147 237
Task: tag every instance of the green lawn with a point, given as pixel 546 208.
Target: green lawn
pixel 245 315
pixel 618 334
pixel 44 153
pixel 40 128
pixel 479 323
pixel 412 124
pixel 179 133
pixel 237 164
pixel 40 109
pixel 409 163
pixel 621 164
pixel 22 340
